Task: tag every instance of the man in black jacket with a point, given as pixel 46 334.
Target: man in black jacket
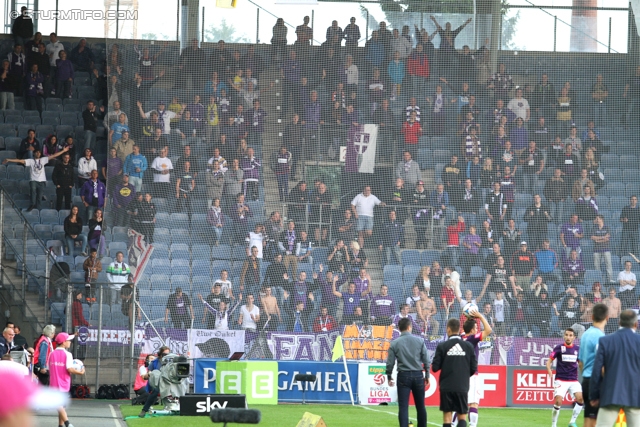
pixel 457 361
pixel 22 28
pixel 63 178
pixel 537 216
pixel 90 118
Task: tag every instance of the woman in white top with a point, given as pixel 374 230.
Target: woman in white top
pixel 422 281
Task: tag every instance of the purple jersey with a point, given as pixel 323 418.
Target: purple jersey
pixel 382 306
pixel 475 341
pixel 566 358
pixel 569 230
pixel 351 301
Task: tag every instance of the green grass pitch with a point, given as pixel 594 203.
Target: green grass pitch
pixel 288 415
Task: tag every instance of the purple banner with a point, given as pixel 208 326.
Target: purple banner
pixel 519 351
pixel 176 339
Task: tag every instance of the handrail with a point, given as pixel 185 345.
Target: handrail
pixel 275 16
pixel 27 313
pixel 23 218
pixel 541 8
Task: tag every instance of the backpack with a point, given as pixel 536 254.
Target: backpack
pixel 121 391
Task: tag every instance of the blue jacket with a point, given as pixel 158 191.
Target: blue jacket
pixel 132 162
pixel 396 71
pixel 617 354
pixel 152 367
pixel 433 199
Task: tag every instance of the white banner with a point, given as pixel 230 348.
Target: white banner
pixel 361 149
pixel 138 253
pixel 373 386
pixel 214 344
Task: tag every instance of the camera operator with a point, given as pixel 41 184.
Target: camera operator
pixel 153 391
pixel 140 385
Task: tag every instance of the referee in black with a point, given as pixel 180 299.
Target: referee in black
pixel 457 360
pixel 411 354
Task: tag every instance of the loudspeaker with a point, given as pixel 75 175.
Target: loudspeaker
pixel 311 420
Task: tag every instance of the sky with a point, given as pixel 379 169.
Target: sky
pixel 534 31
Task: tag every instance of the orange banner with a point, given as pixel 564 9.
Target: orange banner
pixel 367 342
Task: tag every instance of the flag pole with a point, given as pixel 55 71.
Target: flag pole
pixel 346 371
pixel 338 352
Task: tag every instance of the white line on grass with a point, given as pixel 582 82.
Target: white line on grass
pixel 115 416
pixel 392 413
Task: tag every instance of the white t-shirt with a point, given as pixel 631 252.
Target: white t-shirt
pixel 255 239
pixel 412 300
pixel 36 168
pixel 161 164
pixel 519 107
pixel 165 117
pixel 247 321
pixel 623 275
pixel 221 161
pixel 498 307
pixel 225 286
pixel 364 205
pixel 455 279
pixel 53 50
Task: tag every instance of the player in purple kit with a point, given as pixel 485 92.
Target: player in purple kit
pixel 566 357
pixel 472 335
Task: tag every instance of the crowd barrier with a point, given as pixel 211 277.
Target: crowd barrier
pixel 511 369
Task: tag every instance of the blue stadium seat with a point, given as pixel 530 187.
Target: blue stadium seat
pixel 203 252
pixel 13 119
pixel 202 267
pixel 160 251
pixel 221 252
pixel 410 273
pixel 628 161
pixel 613 175
pixel 632 189
pixel 523 200
pixel 592 276
pixel 162 220
pixel 180 281
pixel 160 266
pixel 441 156
pixel 180 266
pixel 477 273
pixel 611 189
pixel 62 131
pixel 410 257
pixel 320 256
pixel 307 268
pixel 115 247
pixel 610 161
pixel 7 130
pixel 430 255
pixel 629 175
pixel 239 253
pixel 393 274
pixel 12 143
pixel 617 203
pixel 180 235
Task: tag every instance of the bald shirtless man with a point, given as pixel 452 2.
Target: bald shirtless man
pixel 270 307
